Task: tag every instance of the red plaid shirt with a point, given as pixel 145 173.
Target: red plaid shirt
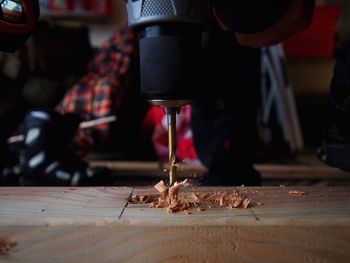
pixel 100 92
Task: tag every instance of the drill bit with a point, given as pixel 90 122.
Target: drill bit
pixel 171 119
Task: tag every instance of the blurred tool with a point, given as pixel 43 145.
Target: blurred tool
pixel 17 20
pixel 82 125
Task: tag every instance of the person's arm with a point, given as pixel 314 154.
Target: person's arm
pixel 259 23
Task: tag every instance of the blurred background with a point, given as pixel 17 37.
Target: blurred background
pixel 72 32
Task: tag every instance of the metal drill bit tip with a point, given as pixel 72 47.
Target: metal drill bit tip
pixel 172 170
pixel 171 118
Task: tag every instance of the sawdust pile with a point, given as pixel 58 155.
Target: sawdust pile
pixel 173 201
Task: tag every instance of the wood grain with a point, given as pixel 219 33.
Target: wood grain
pixel 86 227
pixel 61 206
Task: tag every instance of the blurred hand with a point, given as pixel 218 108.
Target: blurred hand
pixel 297 18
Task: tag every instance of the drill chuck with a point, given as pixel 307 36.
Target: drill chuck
pixel 170 62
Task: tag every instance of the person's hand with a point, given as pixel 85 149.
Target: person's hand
pixel 297 18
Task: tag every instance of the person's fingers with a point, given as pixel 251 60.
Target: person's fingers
pixel 218 20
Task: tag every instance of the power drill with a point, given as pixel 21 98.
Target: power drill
pixel 170 43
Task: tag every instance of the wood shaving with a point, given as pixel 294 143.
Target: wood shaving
pixel 293 192
pixel 160 187
pixel 174 201
pixel 6 246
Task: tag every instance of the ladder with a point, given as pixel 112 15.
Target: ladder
pixel 277 91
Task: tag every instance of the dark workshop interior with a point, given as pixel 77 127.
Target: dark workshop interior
pixel 174 131
pixel 80 65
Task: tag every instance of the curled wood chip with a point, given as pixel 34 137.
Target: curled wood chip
pixel 142 199
pixel 293 192
pixel 221 201
pixel 174 201
pixel 245 202
pixel 195 197
pixel 160 186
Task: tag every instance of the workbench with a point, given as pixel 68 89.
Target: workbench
pixel 307 172
pixel 99 225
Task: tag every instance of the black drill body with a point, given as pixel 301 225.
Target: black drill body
pixel 170 47
pixel 170 55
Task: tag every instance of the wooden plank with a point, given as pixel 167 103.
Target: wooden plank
pixel 303 172
pixel 83 225
pixel 319 204
pixel 127 168
pixel 268 171
pixel 59 206
pixel 310 76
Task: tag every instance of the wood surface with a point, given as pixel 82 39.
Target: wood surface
pixel 95 225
